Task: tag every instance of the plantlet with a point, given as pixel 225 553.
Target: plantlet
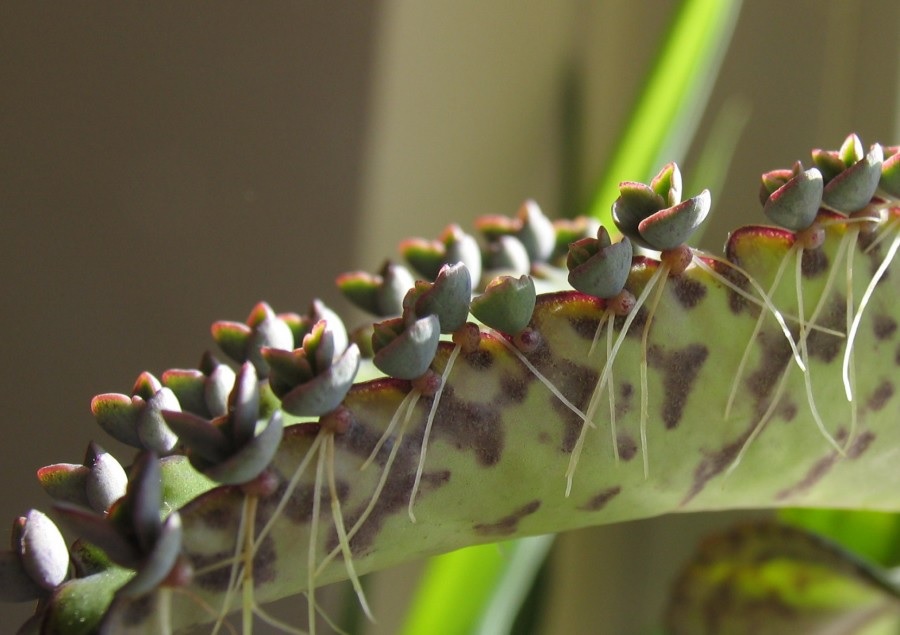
pixel 474 423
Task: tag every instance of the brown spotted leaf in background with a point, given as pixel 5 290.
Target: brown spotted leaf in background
pixel 774 579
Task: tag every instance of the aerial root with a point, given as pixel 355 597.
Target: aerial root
pixel 867 295
pixel 659 278
pixel 850 385
pixel 205 607
pixel 427 434
pixel 233 574
pixel 612 395
pixel 606 378
pixel 313 539
pixel 385 472
pixel 804 348
pixel 343 541
pixel 404 410
pixel 588 417
pixel 165 610
pixel 549 384
pixel 763 420
pixel 766 302
pixel 742 365
pixel 603 320
pixel 247 578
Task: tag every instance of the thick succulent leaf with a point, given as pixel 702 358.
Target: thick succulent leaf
pixel 449 298
pixel 324 393
pixel 117 414
pixel 673 226
pixel 65 482
pixel 603 274
pixel 506 304
pixel 410 353
pixel 795 204
pixel 77 607
pixel 496 421
pixel 252 458
pixel 852 189
pixel 536 232
pixel 636 202
pixel 43 551
pixel 158 563
pixel 199 435
pixel 890 173
pixel 781 580
pixel 98 531
pixel 106 480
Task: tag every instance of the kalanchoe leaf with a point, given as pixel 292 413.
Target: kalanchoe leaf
pixel 151 427
pixel 241 342
pixel 668 184
pixel 635 203
pixel 96 529
pixel 42 550
pixel 380 295
pixel 16 585
pixel 659 222
pixel 65 482
pixel 106 481
pixel 156 565
pixel 569 231
pixel 218 385
pixel 319 312
pixel 493 226
pixel 243 406
pixel 507 253
pixel 319 346
pixel 289 368
pixel 795 204
pixel 448 297
pixel 201 437
pixel 506 304
pixel 405 351
pixel 324 392
pixel 851 150
pixel 145 386
pixel 461 247
pixel 205 391
pixel 828 162
pixel 272 331
pixel 890 171
pixel 251 458
pixel 673 226
pixel 88 559
pixel 535 232
pixel 143 498
pixel 232 338
pixel 362 337
pixel 117 415
pixel 424 256
pixel 853 188
pixel 597 267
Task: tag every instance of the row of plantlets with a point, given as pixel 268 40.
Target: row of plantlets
pixel 538 379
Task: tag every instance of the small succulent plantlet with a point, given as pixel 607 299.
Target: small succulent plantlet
pixel 321 455
pixel 600 269
pixel 839 189
pixel 655 217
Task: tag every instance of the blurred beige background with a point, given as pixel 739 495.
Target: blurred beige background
pixel 165 166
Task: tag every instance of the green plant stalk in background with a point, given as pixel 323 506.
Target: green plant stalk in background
pixel 661 126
